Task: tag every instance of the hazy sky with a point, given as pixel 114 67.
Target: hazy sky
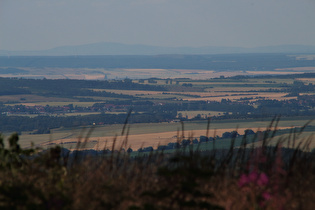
pixel 44 24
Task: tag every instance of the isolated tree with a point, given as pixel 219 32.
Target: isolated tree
pixel 249 132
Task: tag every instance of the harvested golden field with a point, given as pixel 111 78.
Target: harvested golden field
pixel 202 94
pixel 84 76
pixel 205 74
pixel 307 94
pixel 146 70
pixel 190 71
pixel 271 72
pixel 36 76
pixel 146 94
pixel 147 73
pixel 26 139
pixel 310 68
pixel 136 141
pixel 307 80
pixel 237 96
pixel 235 89
pixel 169 94
pixel 138 132
pixel 120 73
pixel 221 83
pixel 176 73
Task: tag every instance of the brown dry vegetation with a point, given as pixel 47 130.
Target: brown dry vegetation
pixel 243 178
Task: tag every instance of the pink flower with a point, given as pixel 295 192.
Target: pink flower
pixel 263 180
pixel 243 180
pixel 253 176
pixel 266 196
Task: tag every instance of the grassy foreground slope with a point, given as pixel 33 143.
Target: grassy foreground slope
pixel 244 178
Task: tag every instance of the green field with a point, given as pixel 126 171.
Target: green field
pixel 204 114
pixel 56 103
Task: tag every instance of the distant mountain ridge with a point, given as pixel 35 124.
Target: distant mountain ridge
pixel 110 48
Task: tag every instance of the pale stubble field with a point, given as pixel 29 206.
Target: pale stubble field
pixel 151 134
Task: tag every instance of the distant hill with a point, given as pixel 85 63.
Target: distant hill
pixel 108 48
pixel 217 62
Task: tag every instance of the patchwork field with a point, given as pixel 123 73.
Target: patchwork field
pixel 185 87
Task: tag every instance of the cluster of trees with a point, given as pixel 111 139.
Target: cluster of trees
pixel 299 87
pixel 202 139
